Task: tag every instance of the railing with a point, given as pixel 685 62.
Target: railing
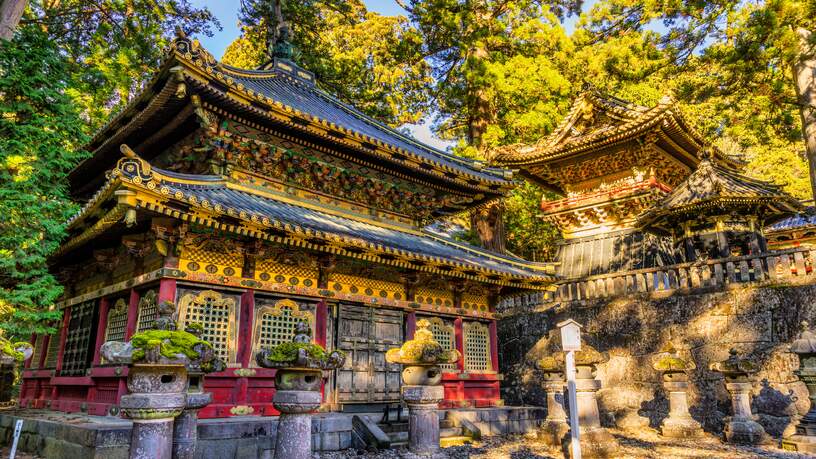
pixel 777 266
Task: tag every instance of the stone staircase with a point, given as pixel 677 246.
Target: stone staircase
pixel 391 431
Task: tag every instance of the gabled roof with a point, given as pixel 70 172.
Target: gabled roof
pixel 215 201
pixel 714 190
pixel 596 120
pixel 802 220
pixel 283 96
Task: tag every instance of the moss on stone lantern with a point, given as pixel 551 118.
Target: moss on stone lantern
pixel 671 365
pixel 11 354
pixel 422 356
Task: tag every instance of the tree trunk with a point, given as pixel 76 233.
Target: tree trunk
pixel 488 222
pixel 10 13
pixel 804 75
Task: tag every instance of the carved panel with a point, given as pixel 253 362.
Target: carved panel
pixel 218 314
pixel 444 334
pixel 116 327
pixel 148 310
pixel 212 255
pixel 357 285
pixel 477 348
pixel 275 322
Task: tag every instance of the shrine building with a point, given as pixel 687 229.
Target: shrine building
pixel 612 160
pixel 254 200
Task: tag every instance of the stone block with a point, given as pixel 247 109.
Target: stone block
pixel 246 447
pixel 335 424
pixel 330 441
pixel 216 449
pixel 345 440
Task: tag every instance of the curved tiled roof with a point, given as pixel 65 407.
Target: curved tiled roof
pixel 308 98
pixel 804 219
pixel 712 185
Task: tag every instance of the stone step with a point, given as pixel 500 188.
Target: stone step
pixel 394 427
pixel 450 432
pixel 454 441
pixel 445 423
pixel 397 437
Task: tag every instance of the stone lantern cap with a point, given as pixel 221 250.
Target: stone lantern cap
pixel 300 353
pixel 805 343
pixel 669 360
pixel 11 353
pixel 735 366
pixel 422 350
pixel 588 355
pixel 552 363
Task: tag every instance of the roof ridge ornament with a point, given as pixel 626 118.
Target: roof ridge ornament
pixel 192 50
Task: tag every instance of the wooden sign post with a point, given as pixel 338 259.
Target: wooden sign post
pixel 571 342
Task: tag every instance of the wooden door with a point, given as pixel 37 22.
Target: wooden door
pixel 365 333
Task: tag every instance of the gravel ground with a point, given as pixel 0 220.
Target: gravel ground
pixel 644 444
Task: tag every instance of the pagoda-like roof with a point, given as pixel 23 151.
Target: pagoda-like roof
pixel 714 190
pixel 806 219
pixel 227 205
pixel 283 97
pixel 598 122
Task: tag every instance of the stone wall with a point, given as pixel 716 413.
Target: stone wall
pixel 756 320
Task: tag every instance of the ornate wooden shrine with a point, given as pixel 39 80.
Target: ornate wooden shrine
pixel 254 200
pixel 612 160
pixel 793 232
pixel 718 213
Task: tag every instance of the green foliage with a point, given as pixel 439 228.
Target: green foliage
pixel 528 236
pixel 10 349
pixel 113 46
pixel 288 351
pixel 40 135
pixel 171 343
pixel 362 58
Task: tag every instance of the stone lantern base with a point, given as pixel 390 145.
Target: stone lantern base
pixel 423 417
pixel 294 439
pixel 741 428
pixel 185 426
pixel 679 424
pixel 555 428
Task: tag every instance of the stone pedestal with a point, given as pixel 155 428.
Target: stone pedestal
pixel 294 439
pixel 679 424
pixel 423 417
pixel 596 442
pixel 741 427
pixel 804 439
pixel 556 426
pixel 157 397
pixel 185 427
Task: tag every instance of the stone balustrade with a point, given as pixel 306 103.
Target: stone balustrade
pixel 773 267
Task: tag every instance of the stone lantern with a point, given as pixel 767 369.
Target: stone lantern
pixel 741 428
pixel 157 381
pixel 804 439
pixel 11 354
pixel 555 427
pixel 595 440
pixel 422 389
pixel 185 427
pixel 675 370
pixel 300 366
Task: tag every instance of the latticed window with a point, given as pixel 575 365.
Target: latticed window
pixel 38 351
pixel 217 313
pixel 76 355
pixel 52 351
pixel 275 324
pixel 444 335
pixel 117 321
pixel 477 347
pixel 148 309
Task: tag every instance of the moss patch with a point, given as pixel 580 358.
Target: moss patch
pixel 10 349
pixel 170 342
pixel 288 352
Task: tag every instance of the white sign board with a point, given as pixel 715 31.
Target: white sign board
pixel 18 427
pixel 570 335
